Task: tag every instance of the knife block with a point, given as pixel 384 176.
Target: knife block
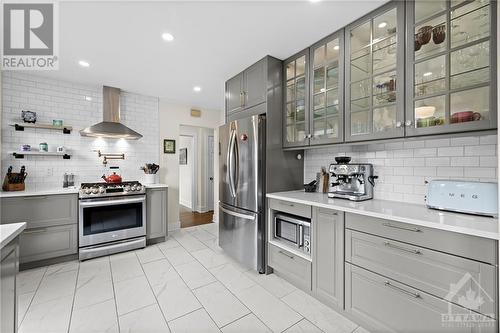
pixel 10 186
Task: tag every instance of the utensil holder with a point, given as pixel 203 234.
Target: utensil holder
pixel 149 178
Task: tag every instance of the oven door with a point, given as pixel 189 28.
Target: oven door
pixel 291 231
pixel 110 219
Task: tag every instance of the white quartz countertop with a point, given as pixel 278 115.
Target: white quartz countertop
pixel 55 191
pixel 10 231
pixel 28 193
pixel 486 227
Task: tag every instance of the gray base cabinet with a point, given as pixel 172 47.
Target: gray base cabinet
pixel 291 267
pixel 51 225
pixel 328 256
pixel 46 243
pixel 385 305
pixel 156 213
pixel 40 211
pixel 8 271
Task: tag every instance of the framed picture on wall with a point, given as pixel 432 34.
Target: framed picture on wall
pixel 183 156
pixel 169 146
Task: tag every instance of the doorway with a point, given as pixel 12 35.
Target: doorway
pixel 196 176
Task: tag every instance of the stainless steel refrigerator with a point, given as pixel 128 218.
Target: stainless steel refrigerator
pixel 246 173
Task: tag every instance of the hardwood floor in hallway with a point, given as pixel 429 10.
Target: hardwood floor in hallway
pixel 189 218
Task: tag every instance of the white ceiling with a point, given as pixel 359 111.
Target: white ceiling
pixel 213 41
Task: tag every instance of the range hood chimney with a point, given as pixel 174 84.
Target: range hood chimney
pixel 111 127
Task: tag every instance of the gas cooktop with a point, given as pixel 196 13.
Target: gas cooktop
pixel 96 190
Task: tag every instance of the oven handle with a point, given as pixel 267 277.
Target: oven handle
pixel 111 202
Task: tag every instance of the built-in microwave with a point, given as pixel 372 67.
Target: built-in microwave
pixel 292 231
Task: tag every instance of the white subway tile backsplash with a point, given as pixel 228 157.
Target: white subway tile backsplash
pixel 54 99
pixel 405 167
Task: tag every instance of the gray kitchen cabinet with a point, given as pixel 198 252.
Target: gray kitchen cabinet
pixel 234 94
pixel 374 76
pixel 430 271
pixel 472 247
pixel 250 87
pixel 48 242
pixel 291 267
pixel 381 304
pixel 40 211
pixel 156 212
pixel 451 77
pixel 296 101
pixel 255 84
pixel 9 266
pixel 291 208
pixel 328 256
pixel 326 120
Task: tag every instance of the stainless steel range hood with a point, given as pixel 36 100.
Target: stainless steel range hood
pixel 111 127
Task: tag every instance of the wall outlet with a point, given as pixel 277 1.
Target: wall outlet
pixel 50 172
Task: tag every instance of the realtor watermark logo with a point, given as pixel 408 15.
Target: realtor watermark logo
pixel 475 305
pixel 30 35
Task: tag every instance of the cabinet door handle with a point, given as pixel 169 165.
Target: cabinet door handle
pixel 241 99
pixel 401 228
pixel 35 198
pixel 35 231
pixel 414 295
pixel 401 248
pixel 286 255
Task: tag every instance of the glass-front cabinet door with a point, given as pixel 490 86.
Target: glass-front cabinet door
pixel 374 76
pixel 451 61
pixel 326 124
pixel 296 118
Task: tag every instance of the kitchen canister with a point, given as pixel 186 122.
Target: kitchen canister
pixel 43 147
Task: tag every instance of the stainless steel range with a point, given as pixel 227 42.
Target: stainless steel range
pixel 112 218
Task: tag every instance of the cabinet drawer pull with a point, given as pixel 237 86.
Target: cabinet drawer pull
pixel 401 228
pixel 287 204
pixel 286 255
pixel 34 198
pixel 35 231
pixel 397 247
pixel 414 295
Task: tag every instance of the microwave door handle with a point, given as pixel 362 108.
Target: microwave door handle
pixel 300 243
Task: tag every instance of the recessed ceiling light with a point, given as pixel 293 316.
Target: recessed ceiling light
pixel 382 25
pixel 83 63
pixel 168 37
pixel 336 47
pixel 427 74
pixel 88 98
pixel 197 88
pixel 314 1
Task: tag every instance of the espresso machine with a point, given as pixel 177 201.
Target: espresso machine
pixel 351 181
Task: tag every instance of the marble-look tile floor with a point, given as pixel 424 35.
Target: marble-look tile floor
pixel 185 284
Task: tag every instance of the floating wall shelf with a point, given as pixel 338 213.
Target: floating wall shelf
pixel 21 127
pixel 21 154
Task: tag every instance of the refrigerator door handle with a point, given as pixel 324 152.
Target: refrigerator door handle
pixel 230 158
pixel 235 214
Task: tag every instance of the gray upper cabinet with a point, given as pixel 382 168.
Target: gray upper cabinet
pixel 328 256
pixel 374 76
pixel 156 219
pixel 451 58
pixel 296 132
pixel 326 122
pixel 255 84
pixel 248 88
pixel 234 94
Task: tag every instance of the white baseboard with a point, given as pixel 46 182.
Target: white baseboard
pixel 202 209
pixel 185 204
pixel 174 226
